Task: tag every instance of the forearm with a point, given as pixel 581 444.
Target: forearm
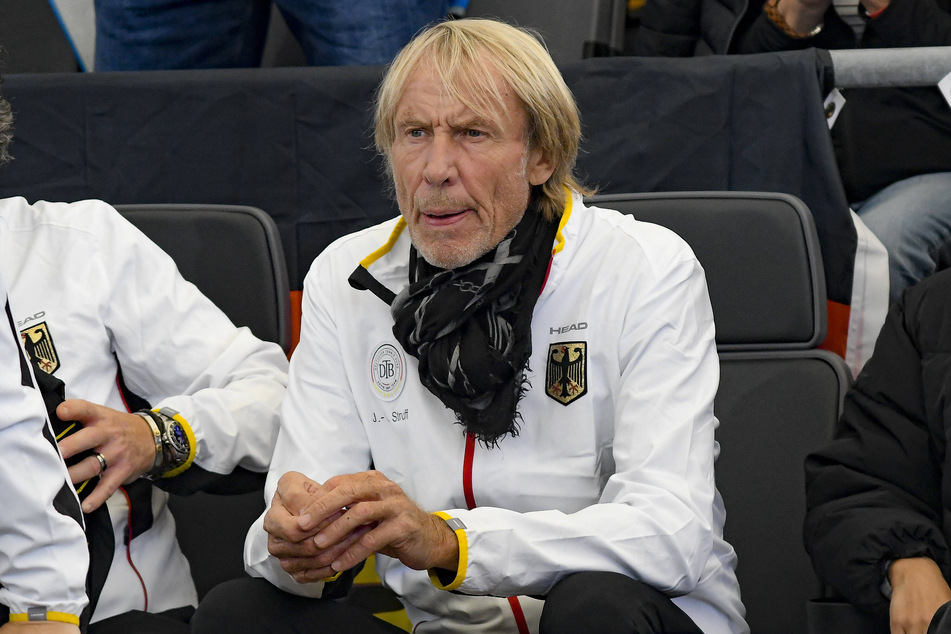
pixel 233 404
pixel 177 349
pixel 764 36
pixel 511 553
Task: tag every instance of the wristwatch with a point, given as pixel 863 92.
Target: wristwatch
pixel 174 444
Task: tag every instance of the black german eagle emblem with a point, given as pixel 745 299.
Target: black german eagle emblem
pixel 566 373
pixel 39 346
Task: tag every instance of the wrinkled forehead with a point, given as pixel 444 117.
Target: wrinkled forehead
pixel 475 85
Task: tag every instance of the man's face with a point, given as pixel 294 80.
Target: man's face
pixel 462 181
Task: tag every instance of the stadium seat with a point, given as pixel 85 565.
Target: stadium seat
pixel 761 258
pixel 234 255
pixel 774 408
pixel 779 397
pixel 836 616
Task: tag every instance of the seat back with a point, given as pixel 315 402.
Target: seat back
pixel 779 397
pixel 233 254
pixel 761 256
pixel 774 408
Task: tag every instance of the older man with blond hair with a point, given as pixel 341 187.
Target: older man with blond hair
pixel 530 380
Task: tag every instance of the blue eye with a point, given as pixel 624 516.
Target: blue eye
pixel 474 134
pixel 416 133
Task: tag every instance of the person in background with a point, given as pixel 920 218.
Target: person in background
pixel 904 197
pixel 148 385
pixel 530 380
pixel 877 504
pixel 170 34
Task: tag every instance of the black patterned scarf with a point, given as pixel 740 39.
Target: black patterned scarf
pixel 470 327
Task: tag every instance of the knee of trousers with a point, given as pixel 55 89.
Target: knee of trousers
pixel 240 605
pixel 610 603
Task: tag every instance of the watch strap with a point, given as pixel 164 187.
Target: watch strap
pixel 156 425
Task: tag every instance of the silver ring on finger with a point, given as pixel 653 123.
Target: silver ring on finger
pixel 103 465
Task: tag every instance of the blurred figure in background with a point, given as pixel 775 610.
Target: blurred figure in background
pixel 893 145
pixel 171 34
pixel 877 501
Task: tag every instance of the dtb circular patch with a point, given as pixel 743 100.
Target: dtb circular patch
pixel 387 371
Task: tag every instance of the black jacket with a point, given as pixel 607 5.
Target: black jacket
pixel 883 135
pixel 882 489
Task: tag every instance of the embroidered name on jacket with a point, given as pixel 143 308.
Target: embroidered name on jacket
pixel 566 374
pixel 39 345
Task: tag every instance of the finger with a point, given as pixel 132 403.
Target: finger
pixel 283 549
pixel 77 409
pixel 84 469
pixel 351 551
pixel 304 520
pixel 305 571
pixel 326 556
pixel 320 510
pixel 108 484
pixel 294 480
pixel 354 517
pixel 280 523
pixel 81 440
pixel 295 490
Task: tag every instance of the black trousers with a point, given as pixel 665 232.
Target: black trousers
pixel 170 622
pixel 257 607
pixel 610 603
pixel 602 602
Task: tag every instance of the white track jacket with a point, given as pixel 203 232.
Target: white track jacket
pixel 612 469
pixel 104 297
pixel 43 555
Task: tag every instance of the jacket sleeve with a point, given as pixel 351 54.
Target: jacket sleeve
pixel 909 23
pixel 654 519
pixel 321 433
pixel 668 28
pixel 874 493
pixel 43 556
pixel 177 349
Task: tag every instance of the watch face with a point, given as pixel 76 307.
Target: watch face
pixel 177 438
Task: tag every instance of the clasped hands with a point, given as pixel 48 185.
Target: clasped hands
pixel 318 530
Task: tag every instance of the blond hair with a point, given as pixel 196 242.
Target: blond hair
pixel 464 53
